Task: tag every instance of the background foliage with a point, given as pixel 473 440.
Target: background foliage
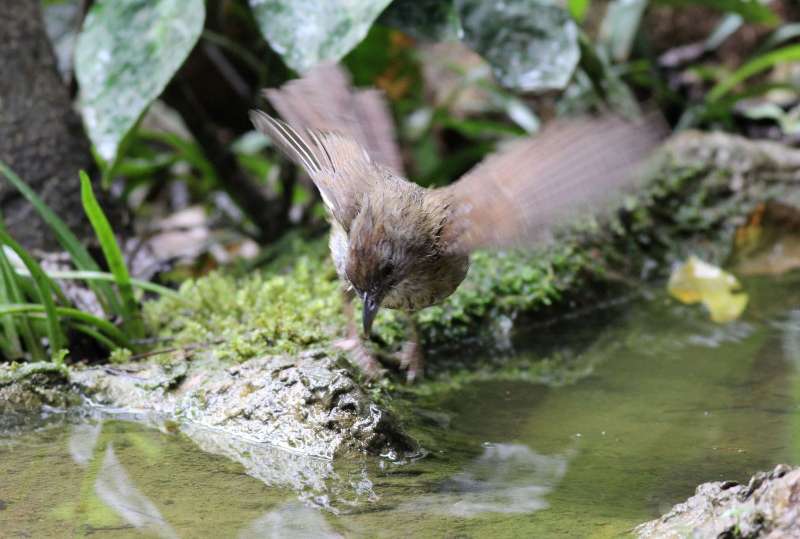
pixel 164 88
pixel 578 53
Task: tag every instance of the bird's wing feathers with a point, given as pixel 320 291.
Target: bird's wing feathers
pixel 343 138
pixel 517 196
pixel 324 100
pixel 340 168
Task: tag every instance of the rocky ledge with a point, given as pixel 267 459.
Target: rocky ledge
pixel 767 506
pixel 308 404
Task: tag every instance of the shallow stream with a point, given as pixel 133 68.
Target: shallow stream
pixel 659 400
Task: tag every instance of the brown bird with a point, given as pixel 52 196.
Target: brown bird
pixel 403 246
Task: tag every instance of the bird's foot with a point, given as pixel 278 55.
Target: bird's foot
pixel 361 356
pixel 412 360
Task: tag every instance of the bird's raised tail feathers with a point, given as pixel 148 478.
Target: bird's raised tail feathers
pixel 324 100
pixel 288 141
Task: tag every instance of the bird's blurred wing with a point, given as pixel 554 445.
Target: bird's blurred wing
pixel 341 168
pixel 519 195
pixel 324 100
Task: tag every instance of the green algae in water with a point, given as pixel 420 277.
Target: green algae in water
pixel 670 400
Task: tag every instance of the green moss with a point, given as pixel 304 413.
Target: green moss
pixel 120 355
pixel 499 287
pixel 261 313
pixel 294 302
pixel 17 372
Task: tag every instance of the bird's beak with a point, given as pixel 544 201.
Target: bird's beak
pixel 371 306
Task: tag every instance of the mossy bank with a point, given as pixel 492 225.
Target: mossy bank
pixel 698 190
pixel 254 353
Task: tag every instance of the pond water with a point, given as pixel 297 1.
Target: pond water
pixel 662 400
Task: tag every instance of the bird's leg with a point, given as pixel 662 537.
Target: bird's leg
pixel 411 356
pixel 354 344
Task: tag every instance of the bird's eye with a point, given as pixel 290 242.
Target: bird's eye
pixel 387 270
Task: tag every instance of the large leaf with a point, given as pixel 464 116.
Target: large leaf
pixel 62 20
pixel 126 54
pixel 308 32
pixel 435 20
pixel 531 45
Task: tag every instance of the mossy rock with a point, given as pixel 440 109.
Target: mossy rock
pixel 27 388
pixel 699 188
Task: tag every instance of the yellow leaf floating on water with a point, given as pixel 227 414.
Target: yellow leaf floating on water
pixel 696 281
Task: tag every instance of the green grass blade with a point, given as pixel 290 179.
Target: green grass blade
pixel 103 276
pixel 109 329
pixel 114 258
pixel 578 9
pixel 782 34
pixel 761 63
pixel 10 293
pixel 44 287
pixel 68 241
pixel 108 277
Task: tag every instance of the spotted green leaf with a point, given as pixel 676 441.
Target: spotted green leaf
pixel 532 45
pixel 428 20
pixel 308 32
pixel 127 52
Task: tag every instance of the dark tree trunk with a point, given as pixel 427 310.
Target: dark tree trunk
pixel 41 137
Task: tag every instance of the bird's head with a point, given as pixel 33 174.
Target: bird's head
pixel 380 256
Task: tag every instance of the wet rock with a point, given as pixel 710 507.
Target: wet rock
pixel 29 388
pixel 767 506
pixel 307 404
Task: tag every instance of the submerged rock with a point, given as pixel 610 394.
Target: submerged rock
pixel 307 404
pixel 767 506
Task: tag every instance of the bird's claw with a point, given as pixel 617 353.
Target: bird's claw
pixel 411 360
pixel 361 356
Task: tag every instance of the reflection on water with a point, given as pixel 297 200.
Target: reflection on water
pixel 313 479
pixel 115 488
pixel 506 478
pixel 290 521
pixel 82 440
pixel 670 400
pixel 791 336
pixel 716 336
